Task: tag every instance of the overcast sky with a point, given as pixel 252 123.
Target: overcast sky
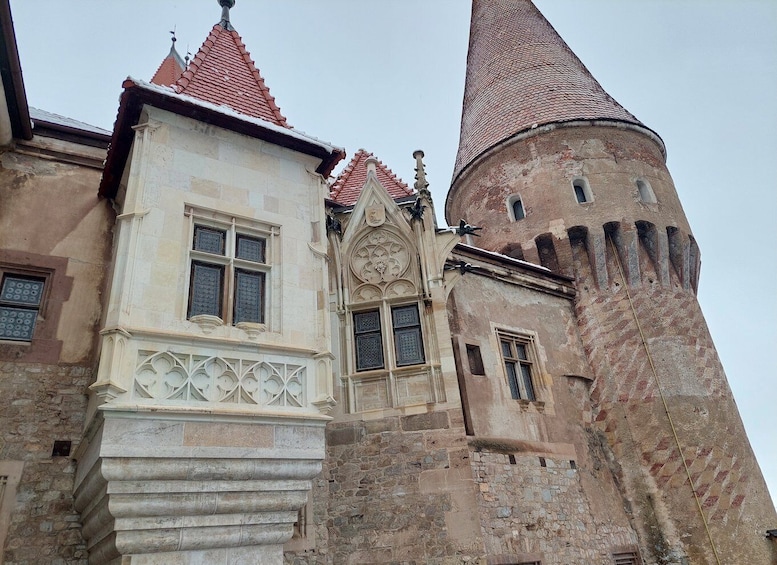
pixel 389 77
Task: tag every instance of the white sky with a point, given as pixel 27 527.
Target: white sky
pixel 389 76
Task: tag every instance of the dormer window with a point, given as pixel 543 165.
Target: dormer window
pixel 583 193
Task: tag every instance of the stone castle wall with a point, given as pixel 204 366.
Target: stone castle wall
pixel 41 404
pixel 394 490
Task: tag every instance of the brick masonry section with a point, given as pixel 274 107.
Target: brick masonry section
pixel 41 404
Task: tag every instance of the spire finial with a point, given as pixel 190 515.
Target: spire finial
pixel 420 173
pixel 225 6
pixel 173 38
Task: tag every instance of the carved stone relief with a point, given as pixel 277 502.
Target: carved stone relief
pixel 379 257
pixel 177 376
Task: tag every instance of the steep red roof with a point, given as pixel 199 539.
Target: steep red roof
pixel 223 73
pixel 520 75
pixel 348 185
pixel 170 70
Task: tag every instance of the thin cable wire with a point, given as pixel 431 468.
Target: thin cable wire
pixel 663 399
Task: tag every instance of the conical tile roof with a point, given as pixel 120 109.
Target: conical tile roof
pixel 349 183
pixel 223 73
pixel 170 70
pixel 521 75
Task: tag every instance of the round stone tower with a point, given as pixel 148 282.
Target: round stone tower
pixel 558 173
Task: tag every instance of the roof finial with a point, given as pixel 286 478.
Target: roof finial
pixel 225 6
pixel 420 173
pixel 172 33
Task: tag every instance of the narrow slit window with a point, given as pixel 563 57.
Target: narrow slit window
pixel 475 360
pixel 646 193
pixel 518 211
pixel 582 193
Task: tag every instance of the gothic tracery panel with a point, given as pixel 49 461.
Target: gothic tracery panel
pixel 380 257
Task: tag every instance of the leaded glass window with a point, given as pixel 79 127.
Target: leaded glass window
pixel 228 275
pixel 20 301
pixel 518 366
pixel 249 293
pixel 206 289
pixel 369 342
pixel 407 335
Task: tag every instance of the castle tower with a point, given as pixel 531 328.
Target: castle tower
pixel 559 174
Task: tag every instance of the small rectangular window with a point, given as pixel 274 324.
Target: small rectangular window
pixel 407 335
pixel 475 360
pixel 518 365
pixel 369 342
pixel 20 301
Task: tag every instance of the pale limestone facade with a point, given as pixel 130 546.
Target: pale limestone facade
pixel 203 436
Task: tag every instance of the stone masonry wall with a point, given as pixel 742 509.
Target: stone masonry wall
pixel 40 404
pixel 397 490
pixel 536 509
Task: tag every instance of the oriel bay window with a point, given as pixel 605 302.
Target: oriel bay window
pixel 228 272
pixel 403 332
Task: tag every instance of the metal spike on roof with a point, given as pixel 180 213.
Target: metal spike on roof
pixel 225 6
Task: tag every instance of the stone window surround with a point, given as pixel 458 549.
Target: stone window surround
pixel 234 225
pixel 44 347
pixel 512 200
pixel 529 339
pixel 645 192
pixel 388 337
pixel 580 184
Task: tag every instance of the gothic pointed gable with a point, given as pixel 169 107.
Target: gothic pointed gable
pixel 170 69
pixel 224 74
pixel 521 75
pixel 348 185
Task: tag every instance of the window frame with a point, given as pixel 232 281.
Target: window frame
pixel 524 369
pixel 22 273
pixel 389 333
pixel 231 264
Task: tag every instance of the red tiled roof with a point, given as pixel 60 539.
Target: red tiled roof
pixel 170 70
pixel 223 73
pixel 349 183
pixel 521 74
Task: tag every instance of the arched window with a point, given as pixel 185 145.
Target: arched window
pixel 646 193
pixel 582 191
pixel 517 208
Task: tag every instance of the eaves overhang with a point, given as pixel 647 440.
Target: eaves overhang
pixel 137 94
pixel 11 72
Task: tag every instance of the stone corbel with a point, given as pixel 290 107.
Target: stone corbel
pixel 324 404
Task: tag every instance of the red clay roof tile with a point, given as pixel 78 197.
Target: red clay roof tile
pixel 348 185
pixel 170 70
pixel 223 73
pixel 520 75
